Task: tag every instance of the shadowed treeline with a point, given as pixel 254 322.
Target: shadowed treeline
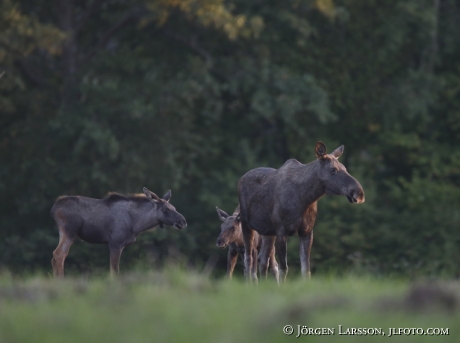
pixel 99 96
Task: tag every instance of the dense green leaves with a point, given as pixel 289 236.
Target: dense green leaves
pixel 188 95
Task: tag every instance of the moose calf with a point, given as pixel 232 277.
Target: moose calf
pixel 116 221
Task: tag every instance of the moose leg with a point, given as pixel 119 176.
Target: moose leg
pixel 306 240
pixel 281 252
pixel 274 265
pixel 115 254
pixel 60 253
pixel 248 237
pixel 232 258
pixel 266 249
pixel 254 263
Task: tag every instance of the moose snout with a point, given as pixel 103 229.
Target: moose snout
pixel 361 197
pixel 357 196
pixel 220 243
pixel 181 223
pixel 355 193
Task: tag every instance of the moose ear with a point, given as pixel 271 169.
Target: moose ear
pixel 320 150
pixel 338 152
pixel 167 196
pixel 222 214
pixel 150 195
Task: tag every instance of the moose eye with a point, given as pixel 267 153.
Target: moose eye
pixel 333 170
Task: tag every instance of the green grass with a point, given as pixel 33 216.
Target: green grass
pixel 179 306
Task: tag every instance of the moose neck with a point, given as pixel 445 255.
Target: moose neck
pixel 311 188
pixel 144 218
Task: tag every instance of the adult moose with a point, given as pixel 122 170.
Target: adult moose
pixel 232 236
pixel 116 220
pixel 281 202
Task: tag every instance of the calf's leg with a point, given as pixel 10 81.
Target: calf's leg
pixel 232 258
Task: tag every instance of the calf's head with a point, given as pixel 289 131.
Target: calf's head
pixel 229 229
pixel 164 212
pixel 335 177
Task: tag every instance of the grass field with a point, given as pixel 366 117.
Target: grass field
pixel 179 306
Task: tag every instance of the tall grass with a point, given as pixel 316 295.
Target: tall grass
pixel 174 305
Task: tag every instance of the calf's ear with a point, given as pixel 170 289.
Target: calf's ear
pixel 222 214
pixel 320 149
pixel 150 195
pixel 238 218
pixel 167 196
pixel 338 152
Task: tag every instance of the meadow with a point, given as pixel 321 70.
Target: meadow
pixel 175 305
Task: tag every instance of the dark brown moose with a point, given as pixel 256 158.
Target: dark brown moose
pixel 283 201
pixel 116 220
pixel 232 236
